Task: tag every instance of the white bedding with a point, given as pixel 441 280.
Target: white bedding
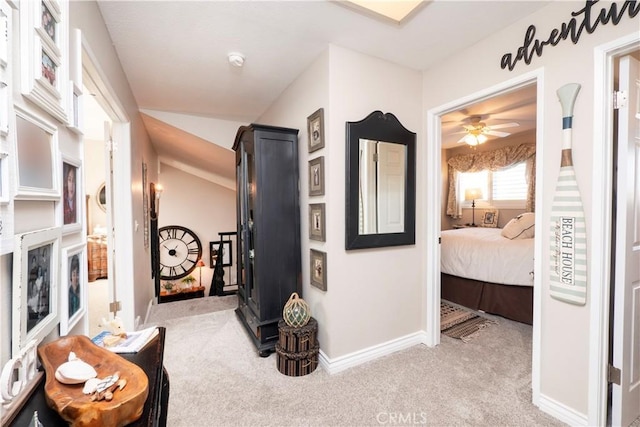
pixel 483 254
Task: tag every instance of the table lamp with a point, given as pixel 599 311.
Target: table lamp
pixel 200 264
pixel 473 194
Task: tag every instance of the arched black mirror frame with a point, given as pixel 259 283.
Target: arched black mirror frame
pixel 380 127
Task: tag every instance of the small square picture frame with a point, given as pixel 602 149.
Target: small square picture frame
pixel 318 269
pixel 73 302
pixel 315 128
pixel 490 219
pixel 317 222
pixel 316 176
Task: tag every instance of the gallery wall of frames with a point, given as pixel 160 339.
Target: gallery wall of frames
pixel 43 251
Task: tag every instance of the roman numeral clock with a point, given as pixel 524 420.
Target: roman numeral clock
pixel 179 249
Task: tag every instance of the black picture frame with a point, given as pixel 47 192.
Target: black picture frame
pixel 227 254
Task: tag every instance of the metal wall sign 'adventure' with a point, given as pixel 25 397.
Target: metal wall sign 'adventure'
pixel 586 19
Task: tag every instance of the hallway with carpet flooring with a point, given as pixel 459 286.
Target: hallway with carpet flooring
pixel 217 378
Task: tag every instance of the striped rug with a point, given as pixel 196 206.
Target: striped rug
pixel 461 323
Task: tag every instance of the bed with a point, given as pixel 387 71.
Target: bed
pixel 483 270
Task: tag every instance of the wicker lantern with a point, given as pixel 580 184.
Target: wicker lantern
pixel 296 311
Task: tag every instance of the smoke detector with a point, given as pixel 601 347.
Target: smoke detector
pixel 236 59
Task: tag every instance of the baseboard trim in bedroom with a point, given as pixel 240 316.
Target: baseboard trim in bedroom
pixel 347 361
pixel 562 412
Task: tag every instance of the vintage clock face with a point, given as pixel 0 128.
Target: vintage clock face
pixel 180 250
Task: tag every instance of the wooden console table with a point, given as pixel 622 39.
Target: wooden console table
pixel 150 359
pixel 196 292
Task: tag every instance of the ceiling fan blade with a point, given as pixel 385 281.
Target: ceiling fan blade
pixel 461 139
pixel 496 133
pixel 504 125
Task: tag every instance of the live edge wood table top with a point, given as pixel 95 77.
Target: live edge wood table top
pixel 150 359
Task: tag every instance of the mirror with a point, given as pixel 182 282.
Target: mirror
pixel 380 178
pixel 101 197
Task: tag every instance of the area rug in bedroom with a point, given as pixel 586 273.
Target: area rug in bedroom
pixel 461 323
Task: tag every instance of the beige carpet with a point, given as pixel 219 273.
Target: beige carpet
pixel 217 378
pixel 191 307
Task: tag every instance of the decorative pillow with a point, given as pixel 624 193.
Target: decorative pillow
pixel 490 219
pixel 520 227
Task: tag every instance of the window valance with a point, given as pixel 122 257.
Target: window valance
pixel 491 160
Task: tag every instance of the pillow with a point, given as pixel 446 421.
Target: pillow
pixel 520 227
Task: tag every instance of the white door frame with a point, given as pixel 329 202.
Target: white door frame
pixel 120 255
pixel 434 198
pixel 601 222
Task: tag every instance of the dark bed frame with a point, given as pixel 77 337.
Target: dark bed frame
pixel 510 301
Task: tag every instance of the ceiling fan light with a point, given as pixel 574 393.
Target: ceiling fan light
pixel 471 139
pixel 482 139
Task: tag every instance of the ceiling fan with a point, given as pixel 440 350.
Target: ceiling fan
pixel 476 131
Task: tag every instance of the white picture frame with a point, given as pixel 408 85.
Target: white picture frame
pixel 73 306
pixel 37 157
pixel 75 99
pixel 70 210
pixel 5 33
pixel 44 42
pixel 36 278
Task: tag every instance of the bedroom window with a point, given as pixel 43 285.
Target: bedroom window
pixel 504 188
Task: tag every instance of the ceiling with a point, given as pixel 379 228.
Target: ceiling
pixel 517 106
pixel 174 54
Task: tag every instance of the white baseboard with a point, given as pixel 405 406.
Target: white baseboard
pixel 347 361
pixel 562 412
pixel 146 316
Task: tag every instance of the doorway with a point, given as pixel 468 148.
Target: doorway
pixel 95 178
pixel 436 196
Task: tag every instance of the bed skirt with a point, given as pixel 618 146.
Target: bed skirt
pixel 509 301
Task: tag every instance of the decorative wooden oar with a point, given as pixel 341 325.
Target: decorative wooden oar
pixel 568 229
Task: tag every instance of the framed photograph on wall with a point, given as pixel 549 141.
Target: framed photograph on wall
pixel 73 298
pixel 317 222
pixel 315 126
pixel 44 47
pixel 214 253
pixel 316 176
pixel 36 280
pixel 318 271
pixel 490 219
pixel 37 152
pixel 71 206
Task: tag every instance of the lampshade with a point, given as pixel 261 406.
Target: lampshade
pixel 200 263
pixel 473 194
pixel 474 139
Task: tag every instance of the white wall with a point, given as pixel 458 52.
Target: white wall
pixel 203 207
pixel 366 288
pixel 565 333
pixel 94 177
